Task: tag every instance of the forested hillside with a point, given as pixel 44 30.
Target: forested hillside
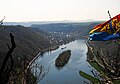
pixel 26 39
pixel 28 43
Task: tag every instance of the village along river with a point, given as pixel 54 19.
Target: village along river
pixel 68 74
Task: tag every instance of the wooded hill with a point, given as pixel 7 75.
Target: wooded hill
pixel 81 28
pixel 28 43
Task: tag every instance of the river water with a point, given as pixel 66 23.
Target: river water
pixel 69 74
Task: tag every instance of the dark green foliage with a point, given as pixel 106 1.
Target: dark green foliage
pixel 89 77
pixel 95 65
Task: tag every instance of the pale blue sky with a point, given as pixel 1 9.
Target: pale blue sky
pixel 55 10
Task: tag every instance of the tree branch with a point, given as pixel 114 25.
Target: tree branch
pixel 4 64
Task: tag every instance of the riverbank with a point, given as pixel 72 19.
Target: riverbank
pixel 40 53
pixel 51 48
pixel 69 72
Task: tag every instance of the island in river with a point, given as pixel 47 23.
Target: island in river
pixel 63 58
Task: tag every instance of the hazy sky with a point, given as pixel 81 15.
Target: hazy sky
pixel 55 10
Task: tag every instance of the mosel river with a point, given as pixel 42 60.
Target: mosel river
pixel 68 74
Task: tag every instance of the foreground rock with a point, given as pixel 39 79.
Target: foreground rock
pixel 63 58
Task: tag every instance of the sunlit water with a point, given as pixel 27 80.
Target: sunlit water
pixel 69 74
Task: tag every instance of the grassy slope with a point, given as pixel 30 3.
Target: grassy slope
pixel 89 77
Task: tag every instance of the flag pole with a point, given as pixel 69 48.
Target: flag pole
pixel 110 21
pixel 109 14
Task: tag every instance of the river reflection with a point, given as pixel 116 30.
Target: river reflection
pixel 70 72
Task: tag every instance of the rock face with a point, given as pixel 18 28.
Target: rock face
pixel 63 58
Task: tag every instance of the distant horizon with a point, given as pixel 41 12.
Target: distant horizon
pixel 88 20
pixel 29 23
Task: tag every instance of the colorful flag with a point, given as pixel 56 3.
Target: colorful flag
pixel 103 36
pixel 111 26
pixel 106 31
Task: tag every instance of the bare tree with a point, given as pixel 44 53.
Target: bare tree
pixel 1 22
pixel 5 69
